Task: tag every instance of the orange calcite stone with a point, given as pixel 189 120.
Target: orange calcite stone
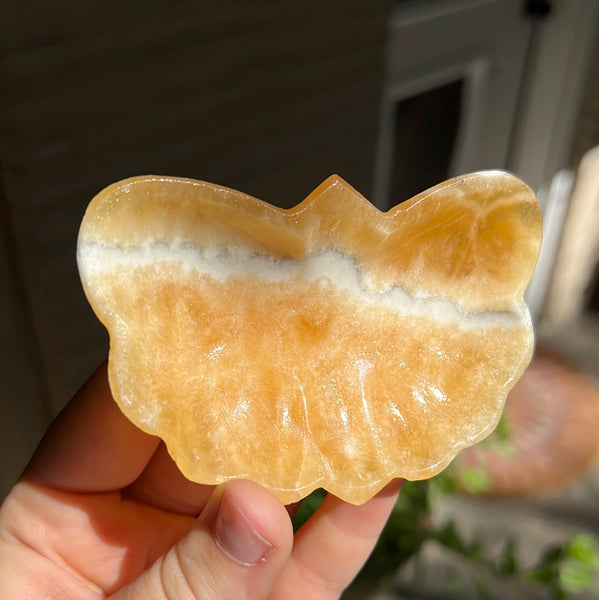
pixel 328 345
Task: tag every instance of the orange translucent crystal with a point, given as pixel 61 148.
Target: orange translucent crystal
pixel 328 345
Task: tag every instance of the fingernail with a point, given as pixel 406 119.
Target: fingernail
pixel 236 537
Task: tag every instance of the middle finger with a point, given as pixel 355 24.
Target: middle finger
pixel 162 485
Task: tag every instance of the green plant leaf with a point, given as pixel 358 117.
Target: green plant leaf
pixel 584 549
pixel 507 563
pixel 474 480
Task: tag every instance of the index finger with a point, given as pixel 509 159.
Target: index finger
pixel 91 446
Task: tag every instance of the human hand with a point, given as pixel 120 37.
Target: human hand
pixel 102 511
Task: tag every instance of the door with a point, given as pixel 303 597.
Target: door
pixel 453 81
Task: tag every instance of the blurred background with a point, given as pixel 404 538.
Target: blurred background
pixel 271 97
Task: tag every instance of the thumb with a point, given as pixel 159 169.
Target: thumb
pixel 237 548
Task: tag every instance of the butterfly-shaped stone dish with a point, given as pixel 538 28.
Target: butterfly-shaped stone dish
pixel 328 345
